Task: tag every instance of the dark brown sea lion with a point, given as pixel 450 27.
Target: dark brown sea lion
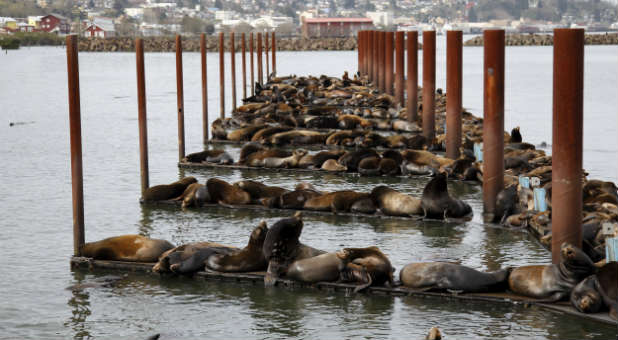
pixel 552 282
pixel 222 192
pixel 298 137
pixel 322 156
pixel 351 159
pixel 282 247
pixel 322 122
pixel 322 268
pixel 291 200
pixel 516 135
pixel 394 203
pixel 607 279
pixel 343 202
pixel 394 155
pixel 351 122
pixel 212 156
pixel 189 258
pixel 364 206
pixel 134 248
pixel 167 191
pixel 369 166
pixel 450 276
pixel 258 190
pixel 437 203
pixel 585 297
pixel 367 266
pixel 249 259
pixel 507 204
pixel 388 167
pixel 248 149
pixel 265 133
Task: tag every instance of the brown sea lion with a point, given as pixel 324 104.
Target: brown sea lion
pixel 259 190
pixel 607 279
pixel 321 268
pixel 368 266
pixel 585 297
pixel 364 206
pixel 306 161
pixel 298 137
pixel 388 167
pixel 134 248
pixel 351 159
pixel 256 159
pixel 552 282
pixel 266 132
pixel 249 259
pixel 322 156
pixel 404 125
pixel 189 258
pixel 167 191
pixel 245 133
pixel 343 202
pixel 282 247
pixel 369 166
pixel 351 122
pixel 437 203
pixel 222 192
pixel 450 276
pixel 285 162
pixel 290 200
pixel 394 203
pixel 217 130
pixel 333 165
pixel 248 149
pixel 337 137
pixel 190 198
pixel 324 202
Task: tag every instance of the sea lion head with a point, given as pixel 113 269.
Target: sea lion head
pixel 188 180
pixel 258 235
pixel 575 261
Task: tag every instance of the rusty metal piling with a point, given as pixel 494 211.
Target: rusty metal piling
pixel 204 88
pixel 388 62
pixel 412 73
pixel 77 178
pixel 222 75
pixel 266 55
pixel 233 67
pixel 381 60
pixel 259 58
pixel 274 52
pixel 429 85
pixel 252 63
pixel 493 119
pixel 142 118
pixel 453 92
pixel 567 138
pixel 399 67
pixel 244 66
pixel 180 99
pixel 376 43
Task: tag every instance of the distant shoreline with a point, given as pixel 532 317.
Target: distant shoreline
pixel 546 40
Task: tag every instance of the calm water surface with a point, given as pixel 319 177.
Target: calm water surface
pixel 36 243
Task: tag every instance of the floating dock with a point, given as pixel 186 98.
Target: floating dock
pixel 257 278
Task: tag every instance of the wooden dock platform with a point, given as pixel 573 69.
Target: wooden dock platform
pixel 82 263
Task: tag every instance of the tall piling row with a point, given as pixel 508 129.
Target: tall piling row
pixel 429 85
pixel 259 59
pixel 266 55
pixel 493 119
pixel 244 66
pixel 204 88
pixel 77 178
pixel 180 99
pixel 454 41
pixel 388 63
pixel 141 114
pixel 567 139
pixel 233 67
pixel 412 77
pixel 274 52
pixel 252 62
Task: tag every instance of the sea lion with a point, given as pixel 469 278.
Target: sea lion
pixel 134 248
pixel 437 203
pixel 388 167
pixel 405 126
pixel 516 135
pixel 369 166
pixel 248 149
pixel 351 159
pixel 291 200
pixel 450 276
pixel 394 155
pixel 325 202
pixel 552 282
pixel 167 191
pixel 282 247
pixel 607 279
pixel 321 268
pixel 394 203
pixel 245 133
pixel 333 165
pixel 364 206
pixel 507 204
pixel 189 196
pixel 265 133
pixel 285 162
pixel 322 156
pixel 343 202
pixel 258 190
pixel 322 122
pixel 222 192
pixel 298 137
pixel 217 130
pixel 585 297
pixel 211 156
pixel 249 259
pixel 189 258
pixel 256 159
pixel 368 266
pixel 351 122
pixel 337 137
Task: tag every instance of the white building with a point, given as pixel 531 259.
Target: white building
pixel 224 15
pixel 381 19
pixel 135 12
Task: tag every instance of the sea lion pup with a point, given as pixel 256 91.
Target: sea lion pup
pixel 369 166
pixel 285 162
pixel 333 166
pixel 258 190
pixel 189 258
pixel 322 268
pixel 351 122
pixel 394 203
pixel 265 133
pixel 222 192
pixel 351 158
pixel 450 276
pixel 249 259
pixel 368 266
pixel 585 297
pixel 552 282
pixel 248 149
pixel 256 159
pixel 211 156
pixel 437 203
pixel 282 247
pixel 134 248
pixel 244 134
pixel 170 191
pixel 190 198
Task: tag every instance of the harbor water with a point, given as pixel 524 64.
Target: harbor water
pixel 36 243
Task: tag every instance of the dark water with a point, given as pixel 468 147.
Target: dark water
pixel 36 242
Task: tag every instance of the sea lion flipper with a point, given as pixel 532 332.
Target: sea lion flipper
pixel 364 286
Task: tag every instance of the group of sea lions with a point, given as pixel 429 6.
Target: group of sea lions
pixel 279 253
pixel 435 202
